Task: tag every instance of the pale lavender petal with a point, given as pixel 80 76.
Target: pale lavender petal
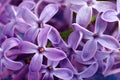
pixel 100 55
pixel 28 4
pixel 90 71
pixel 9 29
pixel 31 34
pixel 54 36
pixel 110 16
pixel 52 63
pixel 48 12
pixel 9 43
pixel 48 76
pixel 74 39
pixel 36 63
pixel 102 6
pixel 118 6
pixel 33 75
pixel 89 50
pixel 21 26
pixel 27 47
pixel 12 65
pixel 54 54
pixel 77 2
pixel 109 64
pixel 100 25
pixel 86 34
pixel 29 17
pixel 84 16
pixel 63 73
pixel 108 42
pixel 42 36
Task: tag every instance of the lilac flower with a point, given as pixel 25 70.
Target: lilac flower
pixel 50 70
pixel 84 14
pixel 112 15
pixel 111 60
pixel 90 47
pixel 40 50
pixel 15 21
pixel 4 60
pixel 36 23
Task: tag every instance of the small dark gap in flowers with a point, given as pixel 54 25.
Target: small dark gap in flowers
pixel 15 2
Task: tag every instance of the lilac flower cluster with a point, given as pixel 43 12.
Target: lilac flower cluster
pixel 59 39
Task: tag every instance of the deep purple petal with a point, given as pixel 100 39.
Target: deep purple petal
pixel 86 34
pixel 33 75
pixel 42 36
pixel 100 25
pixel 54 54
pixel 31 34
pixel 48 76
pixel 84 16
pixel 102 6
pixel 54 36
pixel 27 47
pixel 110 16
pixel 89 50
pixel 48 12
pixel 90 71
pixel 108 42
pixel 12 65
pixel 9 43
pixel 63 73
pixel 74 39
pixel 36 62
pixel 28 4
pixel 29 17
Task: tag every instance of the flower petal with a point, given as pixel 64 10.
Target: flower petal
pixel 63 73
pixel 12 65
pixel 33 75
pixel 102 6
pixel 48 12
pixel 86 34
pixel 89 50
pixel 110 16
pixel 74 39
pixel 108 42
pixel 31 34
pixel 29 17
pixel 84 16
pixel 54 36
pixel 9 29
pixel 118 6
pixel 100 25
pixel 54 54
pixel 90 71
pixel 109 64
pixel 36 62
pixel 28 4
pixel 48 76
pixel 42 36
pixel 27 47
pixel 9 43
pixel 52 63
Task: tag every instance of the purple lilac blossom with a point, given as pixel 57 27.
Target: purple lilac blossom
pixel 33 48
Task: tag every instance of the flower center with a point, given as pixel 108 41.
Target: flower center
pixel 41 49
pixel 40 25
pixel 49 68
pixel 95 35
